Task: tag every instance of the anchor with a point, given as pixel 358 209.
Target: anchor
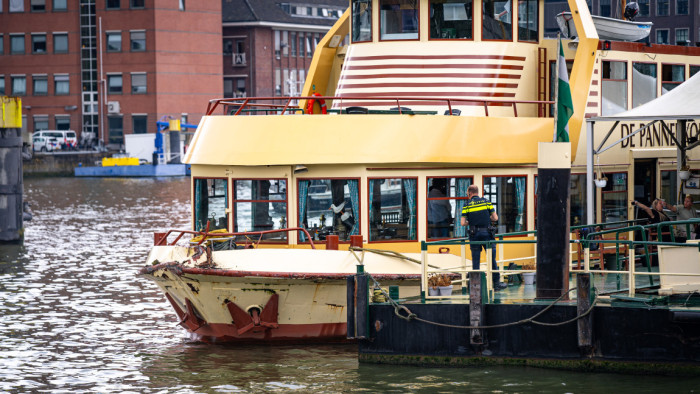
pixel 255 320
pixel 188 318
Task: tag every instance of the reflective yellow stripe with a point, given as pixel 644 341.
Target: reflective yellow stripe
pixel 476 209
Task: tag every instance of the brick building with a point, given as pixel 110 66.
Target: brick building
pixel 268 44
pixel 123 64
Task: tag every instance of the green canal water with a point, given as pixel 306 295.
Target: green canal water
pixel 74 317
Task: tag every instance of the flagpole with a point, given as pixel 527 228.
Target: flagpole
pixel 556 88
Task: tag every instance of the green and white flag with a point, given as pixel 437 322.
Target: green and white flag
pixel 564 106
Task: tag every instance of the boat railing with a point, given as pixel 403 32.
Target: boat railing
pixel 248 105
pixel 200 237
pixel 620 238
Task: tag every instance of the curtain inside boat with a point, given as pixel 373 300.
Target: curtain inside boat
pixel 409 186
pixel 462 186
pixel 355 200
pixel 303 195
pixel 519 201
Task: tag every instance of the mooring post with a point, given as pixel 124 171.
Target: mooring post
pixel 351 281
pixel 584 298
pixel 361 304
pixel 477 295
pixel 553 176
pixel 11 181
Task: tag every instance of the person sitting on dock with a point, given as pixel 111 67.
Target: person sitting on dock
pixel 478 214
pixel 685 212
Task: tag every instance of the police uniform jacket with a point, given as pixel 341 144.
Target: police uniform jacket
pixel 477 212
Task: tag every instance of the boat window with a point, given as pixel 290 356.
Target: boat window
pixel 260 205
pixel 497 23
pixel 669 187
pixel 451 19
pixel 528 21
pixel 644 82
pixel 614 198
pixel 329 206
pixel 672 75
pixel 614 88
pixel 693 70
pixel 210 203
pixel 507 194
pixel 392 209
pixel 361 20
pixel 577 199
pixel 398 19
pixel 446 198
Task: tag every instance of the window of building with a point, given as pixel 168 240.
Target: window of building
pixel 136 3
pixel 38 43
pixel 41 122
pixel 38 5
pixel 19 85
pixel 681 36
pixel 61 84
pixel 114 41
pixel 261 205
pixel 285 43
pixel 308 46
pixel 669 187
pixel 662 36
pixel 528 14
pixel 662 7
pixel 643 7
pixel 398 19
pixel 2 44
pixel 278 82
pixel 211 203
pixel 577 199
pixel 139 123
pixel 62 122
pixel 497 23
pixel 392 209
pixel 605 8
pixel 614 88
pixel 451 19
pixel 138 83
pixel 60 5
pixel 445 199
pixel 114 84
pixel 228 46
pixel 316 195
pixel 60 43
pixel 181 4
pixel 277 43
pixel 644 82
pixel 113 4
pixel 240 87
pixel 16 6
pixel 507 194
pixel 681 7
pixel 672 75
pixel 614 198
pixel 301 44
pixel 17 44
pixel 293 44
pixel 693 70
pixel 2 85
pixel 285 82
pixel 138 41
pixel 116 129
pixel 228 87
pixel 40 85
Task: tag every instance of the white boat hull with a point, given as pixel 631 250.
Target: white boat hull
pixel 608 28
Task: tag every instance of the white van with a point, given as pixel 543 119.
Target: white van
pixel 44 144
pixel 64 137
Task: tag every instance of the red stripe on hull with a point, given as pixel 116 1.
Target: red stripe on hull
pixel 435 66
pixel 438 57
pixel 321 332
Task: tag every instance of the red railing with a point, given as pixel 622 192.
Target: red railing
pixel 253 102
pixel 161 239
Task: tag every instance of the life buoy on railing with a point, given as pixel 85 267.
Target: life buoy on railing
pixel 321 102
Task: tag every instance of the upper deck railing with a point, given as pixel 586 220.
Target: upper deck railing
pixel 246 105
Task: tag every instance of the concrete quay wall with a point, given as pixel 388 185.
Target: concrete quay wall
pixel 60 163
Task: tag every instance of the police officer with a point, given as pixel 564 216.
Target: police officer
pixel 478 214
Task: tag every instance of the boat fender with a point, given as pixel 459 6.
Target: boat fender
pixel 321 102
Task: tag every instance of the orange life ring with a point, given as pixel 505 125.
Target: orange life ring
pixel 321 102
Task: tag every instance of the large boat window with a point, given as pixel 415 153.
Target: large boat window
pixel 260 205
pixel 392 209
pixel 577 199
pixel 614 198
pixel 446 198
pixel 644 81
pixel 497 22
pixel 614 88
pixel 669 187
pixel 528 21
pixel 451 19
pixel 693 70
pixel 398 19
pixel 361 20
pixel 210 203
pixel 672 75
pixel 507 194
pixel 329 206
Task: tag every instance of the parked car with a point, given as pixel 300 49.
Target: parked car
pixel 44 144
pixel 67 139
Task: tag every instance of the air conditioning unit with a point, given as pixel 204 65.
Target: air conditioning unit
pixel 113 107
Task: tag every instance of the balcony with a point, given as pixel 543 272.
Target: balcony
pixel 239 59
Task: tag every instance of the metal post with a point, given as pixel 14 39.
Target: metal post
pixel 463 259
pixel 101 98
pixel 590 195
pixel 424 271
pixel 489 271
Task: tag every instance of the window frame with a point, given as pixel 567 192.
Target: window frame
pixel 143 117
pixel 131 40
pixel 12 85
pixel 668 7
pixel 496 39
pixel 358 220
pixel 3 88
pixel 675 33
pixel 671 82
pixel 38 2
pixel 109 129
pixel 62 116
pixel 456 219
pixel 109 88
pixel 517 26
pixel 687 9
pixel 656 87
pixel 107 7
pixel 58 78
pixel 2 43
pixel 418 11
pixel 603 80
pixel 46 44
pixel 114 33
pixel 35 79
pixel 668 35
pixel 145 84
pixel 648 8
pixel 369 229
pixel 233 202
pixel 430 4
pixel 140 4
pixel 55 36
pixel 40 118
pixel 54 9
pixel 24 44
pixel 603 193
pixel 525 210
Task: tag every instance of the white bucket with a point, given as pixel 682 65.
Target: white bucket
pixel 529 278
pixel 445 290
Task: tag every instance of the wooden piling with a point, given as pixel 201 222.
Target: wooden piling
pixel 477 286
pixel 584 301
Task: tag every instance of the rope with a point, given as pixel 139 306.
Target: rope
pixel 412 316
pixel 388 253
